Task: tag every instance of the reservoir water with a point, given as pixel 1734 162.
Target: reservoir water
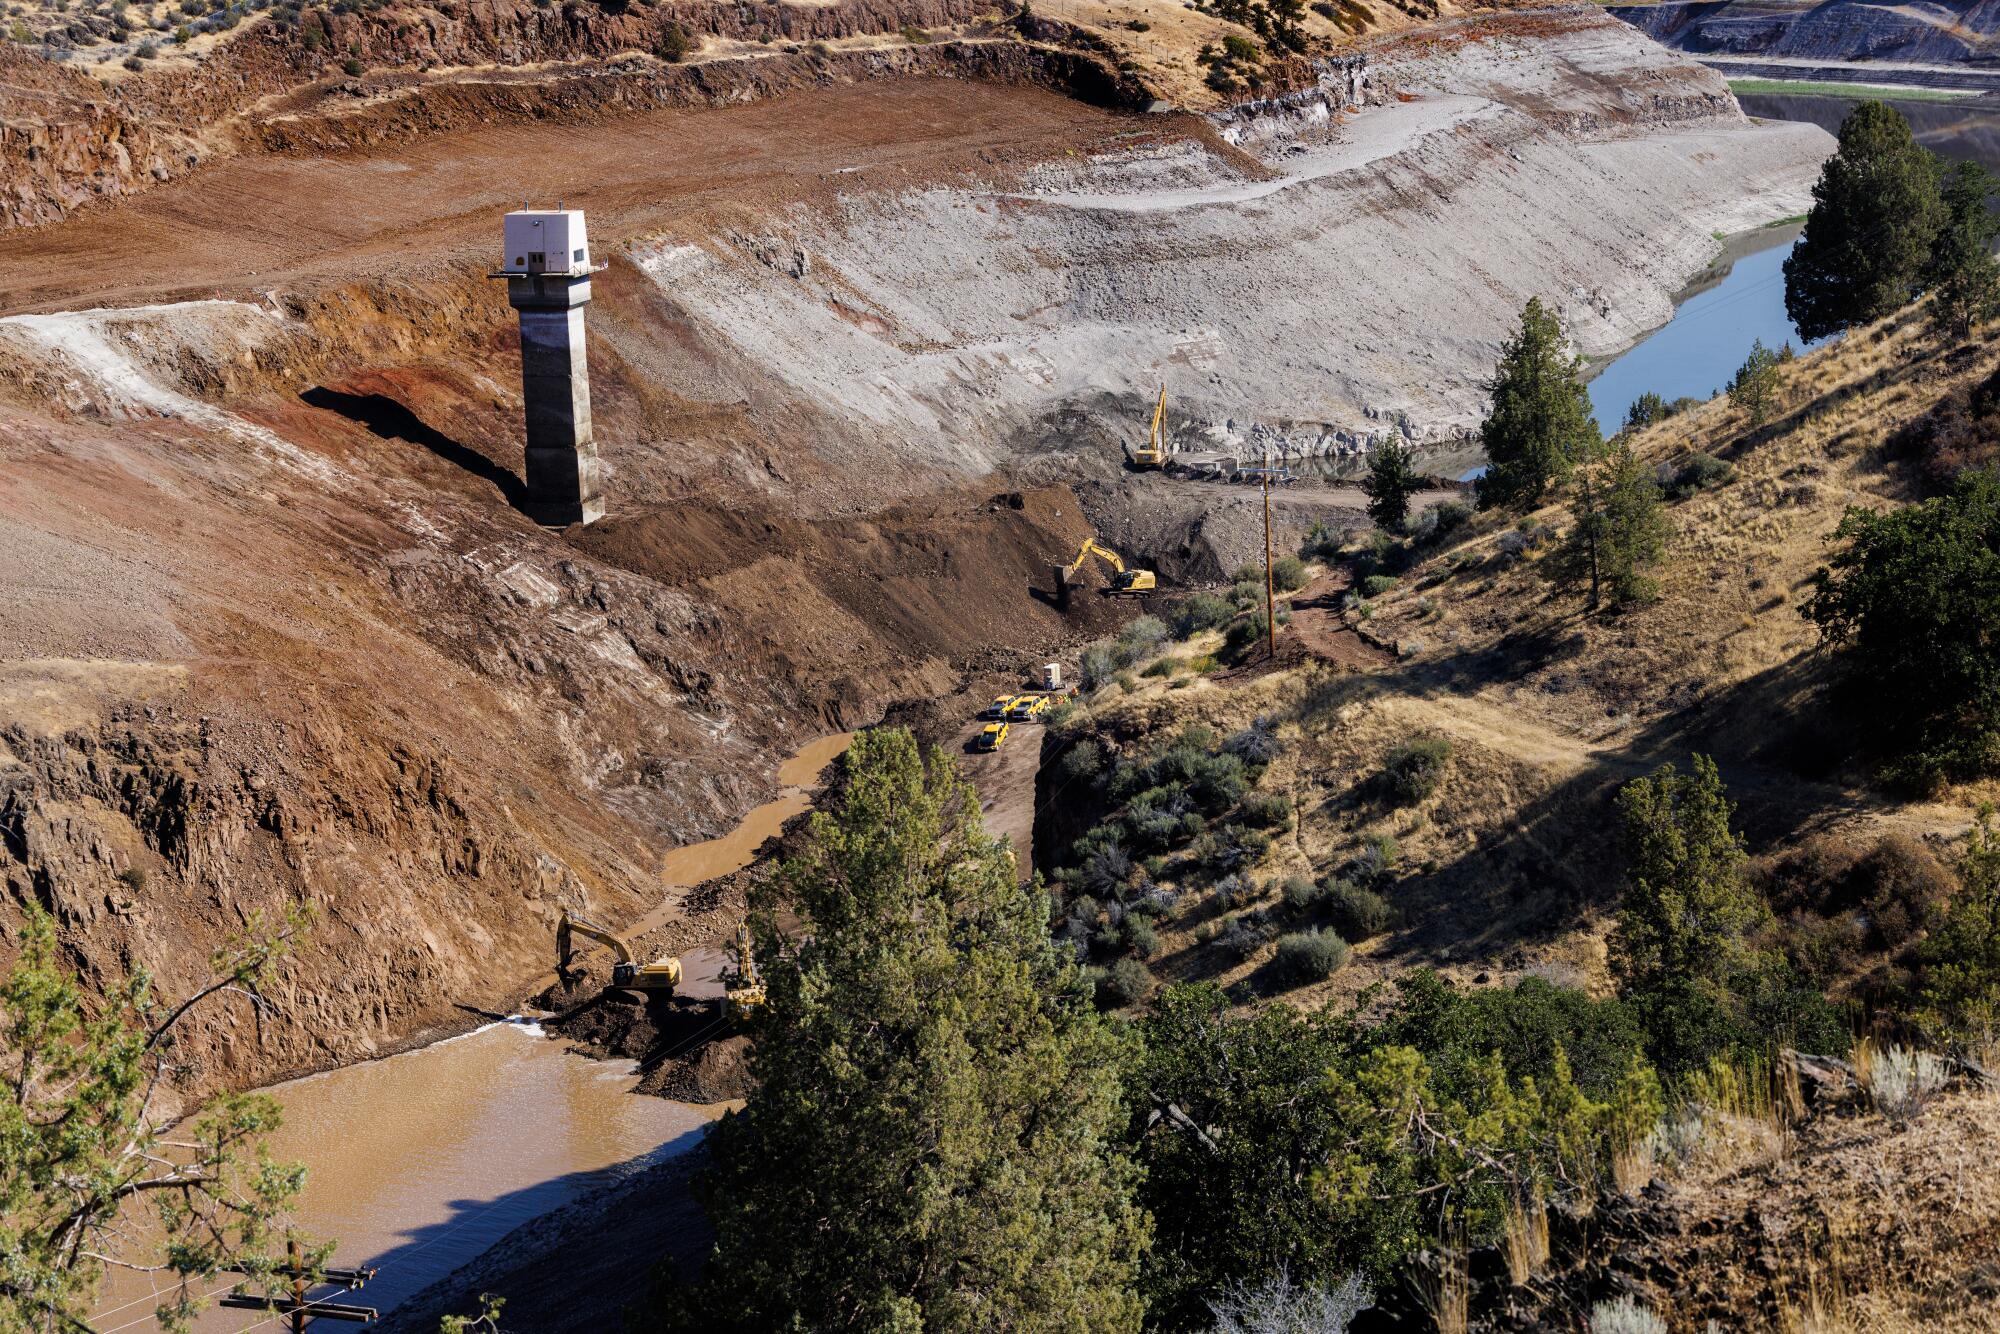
pixel 1965 129
pixel 418 1162
pixel 1739 301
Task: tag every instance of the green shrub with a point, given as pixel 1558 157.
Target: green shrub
pixel 1126 982
pixel 1375 585
pixel 1203 611
pixel 1267 810
pixel 1357 912
pixel 1095 667
pixel 1245 631
pixel 1141 637
pixel 1303 894
pixel 1245 593
pixel 1083 760
pixel 1322 543
pixel 674 44
pixel 1414 769
pixel 1305 957
pixel 1142 937
pixel 1369 865
pixel 1288 573
pixel 1697 472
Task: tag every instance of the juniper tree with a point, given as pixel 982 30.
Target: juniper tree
pixel 1911 597
pixel 933 1140
pixel 1618 530
pixel 1681 941
pixel 1392 479
pixel 1962 272
pixel 1755 386
pixel 1876 212
pixel 1540 425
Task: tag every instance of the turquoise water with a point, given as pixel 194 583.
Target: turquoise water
pixel 1698 351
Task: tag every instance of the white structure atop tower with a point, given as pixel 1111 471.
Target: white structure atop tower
pixel 546 263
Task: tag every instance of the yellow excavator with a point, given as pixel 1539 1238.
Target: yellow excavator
pixel 744 994
pixel 1154 455
pixel 661 975
pixel 1122 579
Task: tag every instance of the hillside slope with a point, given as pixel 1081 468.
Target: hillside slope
pixel 1511 866
pixel 275 627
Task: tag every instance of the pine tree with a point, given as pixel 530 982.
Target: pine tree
pixel 1540 426
pixel 1618 530
pixel 1755 387
pixel 1962 270
pixel 87 1169
pixel 1876 211
pixel 1392 479
pixel 933 1141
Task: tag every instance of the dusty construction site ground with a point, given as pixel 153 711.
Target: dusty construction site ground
pixel 861 367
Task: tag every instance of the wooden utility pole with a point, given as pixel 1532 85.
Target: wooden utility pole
pixel 298 1306
pixel 1270 591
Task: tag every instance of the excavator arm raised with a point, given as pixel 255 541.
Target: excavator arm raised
pixel 660 975
pixel 1154 455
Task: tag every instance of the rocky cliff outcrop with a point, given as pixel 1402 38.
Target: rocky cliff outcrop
pixel 1837 30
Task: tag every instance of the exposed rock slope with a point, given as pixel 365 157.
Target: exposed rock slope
pixel 274 628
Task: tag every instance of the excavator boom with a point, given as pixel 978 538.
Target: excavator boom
pixel 1154 455
pixel 663 974
pixel 1122 579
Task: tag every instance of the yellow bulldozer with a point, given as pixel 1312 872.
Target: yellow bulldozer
pixel 1154 455
pixel 1122 580
pixel 660 976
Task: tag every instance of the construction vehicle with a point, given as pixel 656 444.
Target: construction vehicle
pixel 1025 708
pixel 998 708
pixel 743 995
pixel 992 736
pixel 662 975
pixel 1122 579
pixel 1154 455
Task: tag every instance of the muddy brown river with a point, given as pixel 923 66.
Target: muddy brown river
pixel 418 1162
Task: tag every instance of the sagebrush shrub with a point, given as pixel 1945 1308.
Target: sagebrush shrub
pixel 1305 957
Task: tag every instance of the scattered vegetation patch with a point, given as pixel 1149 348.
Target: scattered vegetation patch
pixel 1305 957
pixel 1414 769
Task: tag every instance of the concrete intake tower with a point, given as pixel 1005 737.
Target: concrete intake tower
pixel 547 267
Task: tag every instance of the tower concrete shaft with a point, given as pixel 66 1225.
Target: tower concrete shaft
pixel 563 486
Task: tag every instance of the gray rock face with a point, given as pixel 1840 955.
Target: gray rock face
pixel 1836 30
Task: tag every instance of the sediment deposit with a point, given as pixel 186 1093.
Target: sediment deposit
pixel 861 368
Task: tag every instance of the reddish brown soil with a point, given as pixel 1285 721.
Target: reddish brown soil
pixel 1319 628
pixel 255 223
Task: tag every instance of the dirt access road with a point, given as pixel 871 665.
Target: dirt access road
pixel 1005 781
pixel 251 224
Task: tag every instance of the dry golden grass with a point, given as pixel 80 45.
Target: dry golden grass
pixel 1525 1242
pixel 1503 871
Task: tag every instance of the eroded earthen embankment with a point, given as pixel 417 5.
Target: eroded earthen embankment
pixel 275 630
